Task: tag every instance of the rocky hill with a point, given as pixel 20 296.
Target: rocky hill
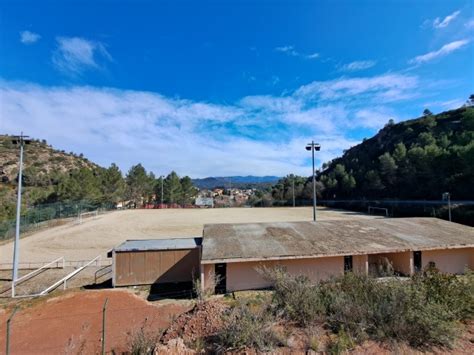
pixel 40 161
pixel 43 167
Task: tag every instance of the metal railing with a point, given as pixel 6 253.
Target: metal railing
pixel 62 281
pixel 35 272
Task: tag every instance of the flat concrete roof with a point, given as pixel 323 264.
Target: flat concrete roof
pixel 293 240
pixel 159 244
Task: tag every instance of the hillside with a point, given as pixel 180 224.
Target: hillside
pixel 235 181
pixel 415 159
pixel 72 182
pixel 41 161
pixel 44 168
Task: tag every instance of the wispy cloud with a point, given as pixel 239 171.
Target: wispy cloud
pixel 27 37
pixel 358 65
pixel 288 50
pixel 388 87
pixel 312 56
pixel 232 137
pixel 469 24
pixel 442 23
pixel 291 51
pixel 446 105
pixel 73 55
pixel 443 51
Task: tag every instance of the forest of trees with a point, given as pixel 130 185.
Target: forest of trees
pixel 138 187
pixel 417 159
pixel 101 187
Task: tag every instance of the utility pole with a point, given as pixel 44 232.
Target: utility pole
pixel 314 147
pixel 21 140
pixel 447 196
pixel 162 177
pixel 293 183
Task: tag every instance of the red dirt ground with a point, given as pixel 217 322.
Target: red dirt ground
pixel 72 323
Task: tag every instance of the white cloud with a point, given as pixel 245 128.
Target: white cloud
pixel 73 55
pixel 289 50
pixel 258 135
pixel 442 23
pixel 469 24
pixel 27 37
pixel 446 105
pixel 388 87
pixel 443 51
pixel 312 56
pixel 358 65
pixel 374 118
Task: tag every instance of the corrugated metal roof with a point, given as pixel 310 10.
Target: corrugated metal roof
pixel 260 241
pixel 159 244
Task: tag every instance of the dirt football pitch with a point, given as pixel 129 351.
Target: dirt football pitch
pixel 97 235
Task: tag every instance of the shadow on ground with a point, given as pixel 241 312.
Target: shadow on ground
pixel 180 290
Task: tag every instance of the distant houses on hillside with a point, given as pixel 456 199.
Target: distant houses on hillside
pixel 223 198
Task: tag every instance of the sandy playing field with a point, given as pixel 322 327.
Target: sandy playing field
pixel 97 235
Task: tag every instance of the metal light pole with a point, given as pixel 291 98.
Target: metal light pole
pixel 162 177
pixel 313 147
pixel 293 183
pixel 21 140
pixel 447 196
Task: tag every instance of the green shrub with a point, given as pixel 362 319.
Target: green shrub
pixel 340 343
pixel 423 311
pixel 294 297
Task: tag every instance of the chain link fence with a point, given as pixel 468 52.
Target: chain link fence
pixel 48 215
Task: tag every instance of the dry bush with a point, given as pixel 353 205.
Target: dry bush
pixel 204 293
pixel 247 327
pixel 143 341
pixel 424 311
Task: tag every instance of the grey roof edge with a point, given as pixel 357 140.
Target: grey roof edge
pixel 314 256
pixel 159 244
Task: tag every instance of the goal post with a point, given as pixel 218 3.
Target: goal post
pixel 88 214
pixel 383 209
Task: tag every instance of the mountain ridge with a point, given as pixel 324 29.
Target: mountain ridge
pixel 237 181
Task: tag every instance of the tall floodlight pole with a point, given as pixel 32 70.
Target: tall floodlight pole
pixel 21 140
pixel 447 196
pixel 313 147
pixel 293 183
pixel 162 177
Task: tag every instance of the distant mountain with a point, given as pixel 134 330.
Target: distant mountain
pixel 235 181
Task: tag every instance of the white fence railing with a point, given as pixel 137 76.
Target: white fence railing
pixel 36 272
pixel 63 280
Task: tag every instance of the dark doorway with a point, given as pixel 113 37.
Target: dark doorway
pixel 417 260
pixel 348 263
pixel 221 275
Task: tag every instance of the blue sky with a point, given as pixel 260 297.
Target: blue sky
pixel 227 87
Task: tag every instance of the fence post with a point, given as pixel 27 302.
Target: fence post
pixel 8 331
pixel 103 325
